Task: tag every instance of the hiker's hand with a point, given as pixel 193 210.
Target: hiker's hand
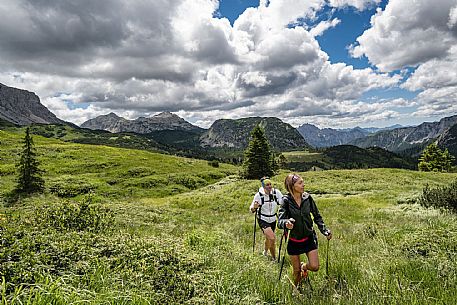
pixel 290 223
pixel 256 205
pixel 328 234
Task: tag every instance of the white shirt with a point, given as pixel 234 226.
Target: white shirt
pixel 269 207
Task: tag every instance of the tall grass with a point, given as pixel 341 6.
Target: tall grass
pixel 177 239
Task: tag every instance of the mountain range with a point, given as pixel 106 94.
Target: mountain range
pixel 407 138
pixel 169 132
pixel 328 137
pixel 162 121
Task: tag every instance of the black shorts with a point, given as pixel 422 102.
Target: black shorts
pixel 263 224
pixel 297 248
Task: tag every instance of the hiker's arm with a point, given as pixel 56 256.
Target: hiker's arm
pixel 283 214
pixel 255 203
pixel 318 218
pixel 254 206
pixel 280 197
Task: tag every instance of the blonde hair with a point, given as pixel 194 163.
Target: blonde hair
pixel 291 179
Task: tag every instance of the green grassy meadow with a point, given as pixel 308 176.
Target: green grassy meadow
pixel 180 232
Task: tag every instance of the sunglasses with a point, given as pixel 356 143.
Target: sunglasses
pixel 295 179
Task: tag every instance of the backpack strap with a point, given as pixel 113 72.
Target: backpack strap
pixel 262 198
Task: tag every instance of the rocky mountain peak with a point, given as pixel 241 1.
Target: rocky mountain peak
pixel 159 122
pixel 236 133
pixel 166 115
pixel 23 107
pixel 112 115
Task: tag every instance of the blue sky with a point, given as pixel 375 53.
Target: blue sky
pixel 331 63
pixel 335 41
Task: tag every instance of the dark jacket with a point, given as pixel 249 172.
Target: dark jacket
pixel 303 225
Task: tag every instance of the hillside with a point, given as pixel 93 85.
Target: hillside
pixel 75 169
pixel 172 238
pixel 347 157
pixel 75 134
pixel 236 134
pixel 22 107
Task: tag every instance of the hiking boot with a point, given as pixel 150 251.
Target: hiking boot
pixel 304 271
pixel 265 253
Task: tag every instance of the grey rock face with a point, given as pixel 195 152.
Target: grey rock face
pixel 162 121
pixel 22 107
pixel 236 134
pixel 449 140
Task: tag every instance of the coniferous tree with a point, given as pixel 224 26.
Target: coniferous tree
pixel 434 159
pixel 282 161
pixel 29 178
pixel 258 157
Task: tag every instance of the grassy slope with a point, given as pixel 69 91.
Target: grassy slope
pixel 108 171
pixel 382 252
pixel 347 157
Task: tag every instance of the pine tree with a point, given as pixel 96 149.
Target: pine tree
pixel 258 157
pixel 434 159
pixel 29 178
pixel 282 161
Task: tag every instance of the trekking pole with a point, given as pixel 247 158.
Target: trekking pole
pixel 328 246
pixel 287 242
pixel 326 262
pixel 255 224
pixel 284 255
pixel 280 245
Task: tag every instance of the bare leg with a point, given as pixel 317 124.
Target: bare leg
pixel 270 238
pixel 295 261
pixel 313 261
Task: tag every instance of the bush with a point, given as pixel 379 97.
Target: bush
pixel 157 269
pixel 213 163
pixel 80 216
pixel 70 188
pixel 139 172
pixel 188 181
pixel 440 197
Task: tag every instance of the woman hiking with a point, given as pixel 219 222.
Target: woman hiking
pixel 265 204
pixel 295 215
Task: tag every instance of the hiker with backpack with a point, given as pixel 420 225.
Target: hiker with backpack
pixel 265 205
pixel 297 214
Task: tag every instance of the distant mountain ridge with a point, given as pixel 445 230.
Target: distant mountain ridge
pixel 376 129
pixel 406 138
pixel 162 121
pixel 22 107
pixel 236 133
pixel 174 134
pixel 327 137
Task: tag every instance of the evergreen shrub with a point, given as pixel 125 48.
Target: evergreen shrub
pixel 80 216
pixel 444 197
